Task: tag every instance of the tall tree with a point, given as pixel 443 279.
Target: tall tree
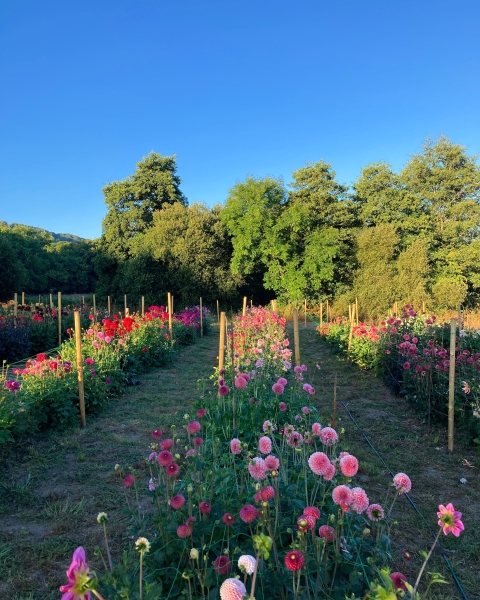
pixel 132 202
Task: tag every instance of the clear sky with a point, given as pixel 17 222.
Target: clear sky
pixel 232 88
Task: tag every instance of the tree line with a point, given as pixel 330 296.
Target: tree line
pixel 408 236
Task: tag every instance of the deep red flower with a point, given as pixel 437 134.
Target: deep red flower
pixel 294 560
pixel 222 564
pixel 129 481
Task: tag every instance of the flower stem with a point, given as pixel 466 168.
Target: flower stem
pixel 425 564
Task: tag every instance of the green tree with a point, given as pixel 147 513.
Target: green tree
pixel 132 202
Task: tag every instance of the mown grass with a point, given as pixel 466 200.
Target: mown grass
pixel 54 485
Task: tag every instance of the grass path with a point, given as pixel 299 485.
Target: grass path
pixel 72 478
pixel 397 432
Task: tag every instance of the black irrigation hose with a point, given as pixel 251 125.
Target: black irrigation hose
pixel 417 510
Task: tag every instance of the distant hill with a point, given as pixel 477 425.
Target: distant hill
pixel 58 237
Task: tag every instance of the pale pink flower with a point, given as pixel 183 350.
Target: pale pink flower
pixel 359 502
pixel 297 370
pixel 305 410
pixel 247 564
pixel 265 445
pixel 319 463
pixel 232 589
pixel 257 468
pixel 235 446
pixel 328 436
pixel 329 473
pixel 268 427
pixel 349 465
pixel 402 483
pixel 309 388
pixel 272 463
pixel 316 428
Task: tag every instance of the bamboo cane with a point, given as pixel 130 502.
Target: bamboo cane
pixel 296 337
pixel 78 346
pixel 221 346
pixel 201 317
pixel 451 383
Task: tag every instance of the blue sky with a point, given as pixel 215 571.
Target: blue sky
pixel 232 88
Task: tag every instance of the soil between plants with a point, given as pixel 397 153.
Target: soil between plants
pixel 72 477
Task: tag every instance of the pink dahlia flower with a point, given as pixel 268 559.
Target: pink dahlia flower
pixel 240 383
pixel 329 473
pixel 235 446
pixel 177 501
pixel 402 483
pixel 184 531
pixel 193 427
pixel 257 468
pixel 319 463
pixel 349 465
pixel 272 463
pixel 305 523
pixel 278 388
pixel 228 519
pixel 359 502
pixel 313 511
pixel 248 513
pixel 166 444
pixel 267 493
pixel 375 512
pixel 449 520
pixel 172 469
pixel 282 407
pixel 268 427
pixel 78 576
pixel 232 589
pixel 223 390
pixel 316 428
pixel 201 412
pixel 327 532
pixel 282 381
pixel 165 458
pixel 294 560
pixel 265 445
pixel 328 436
pixel 205 507
pixel 342 495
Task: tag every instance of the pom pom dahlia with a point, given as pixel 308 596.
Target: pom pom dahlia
pixel 257 468
pixel 232 589
pixel 359 501
pixel 294 560
pixel 222 564
pixel 349 465
pixel 177 501
pixel 342 495
pixel 313 511
pixel 327 532
pixel 402 483
pixel 248 513
pixel 375 512
pixel 265 445
pixel 328 436
pixel 319 463
pixel 247 563
pixel 235 446
pixel 272 463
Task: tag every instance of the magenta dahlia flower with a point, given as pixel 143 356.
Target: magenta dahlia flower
pixel 272 463
pixel 248 513
pixel 78 575
pixel 294 560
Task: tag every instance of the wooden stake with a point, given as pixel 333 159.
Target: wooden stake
pixel 78 345
pixel 23 298
pixel 327 312
pixel 51 301
pixel 334 414
pixel 143 306
pixel 274 305
pixel 59 318
pixel 201 317
pixel 221 347
pixel 218 311
pixel 125 302
pixel 94 308
pixel 15 309
pixel 244 311
pixel 424 310
pixel 459 317
pixel 305 311
pixel 356 309
pixel 321 314
pixel 451 383
pixel 350 335
pixel 350 313
pixel 170 325
pixel 127 313
pixel 83 300
pixel 109 305
pixel 296 337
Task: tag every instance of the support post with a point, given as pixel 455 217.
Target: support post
pixel 143 306
pixel 296 337
pixel 321 315
pixel 305 311
pixel 51 301
pixel 274 305
pixel 356 309
pixel 94 308
pixel 221 346
pixel 327 312
pixel 218 312
pixel 23 298
pixel 334 413
pixel 78 346
pixel 244 310
pixel 451 383
pixel 170 325
pixel 201 317
pixel 109 305
pixel 125 303
pixel 59 318
pixel 15 308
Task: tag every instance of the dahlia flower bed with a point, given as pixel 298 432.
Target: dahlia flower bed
pixel 411 353
pixel 256 499
pixel 44 393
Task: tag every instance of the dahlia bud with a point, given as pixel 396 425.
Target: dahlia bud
pixel 194 554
